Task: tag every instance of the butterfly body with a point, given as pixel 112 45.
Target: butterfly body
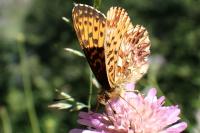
pixel 116 50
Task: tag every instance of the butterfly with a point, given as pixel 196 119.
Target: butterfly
pixel 116 51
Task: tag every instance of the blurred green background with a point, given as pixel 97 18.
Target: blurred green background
pixel 34 63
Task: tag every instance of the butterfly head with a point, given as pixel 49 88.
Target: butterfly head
pixel 107 94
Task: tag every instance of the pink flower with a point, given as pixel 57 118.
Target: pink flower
pixel 133 113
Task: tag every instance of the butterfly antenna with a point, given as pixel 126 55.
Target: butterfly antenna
pixel 132 107
pixel 136 91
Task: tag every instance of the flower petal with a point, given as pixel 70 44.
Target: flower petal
pixel 177 128
pixel 82 131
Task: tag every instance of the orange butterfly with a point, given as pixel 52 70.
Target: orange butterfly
pixel 116 51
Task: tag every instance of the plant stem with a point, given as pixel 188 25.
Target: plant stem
pixel 97 3
pixel 27 89
pixel 153 81
pixel 6 125
pixel 90 92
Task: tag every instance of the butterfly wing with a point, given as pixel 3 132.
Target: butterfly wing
pixel 126 48
pixel 90 26
pixel 118 23
pixel 132 56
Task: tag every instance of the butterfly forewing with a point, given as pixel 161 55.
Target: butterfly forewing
pixel 90 27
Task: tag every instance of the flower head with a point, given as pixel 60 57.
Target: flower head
pixel 133 113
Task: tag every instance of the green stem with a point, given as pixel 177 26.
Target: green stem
pixel 96 3
pixel 27 90
pixel 90 92
pixel 6 125
pixel 153 81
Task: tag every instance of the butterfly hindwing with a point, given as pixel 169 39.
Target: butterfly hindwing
pixel 132 57
pixel 126 48
pixel 90 27
pixel 118 23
